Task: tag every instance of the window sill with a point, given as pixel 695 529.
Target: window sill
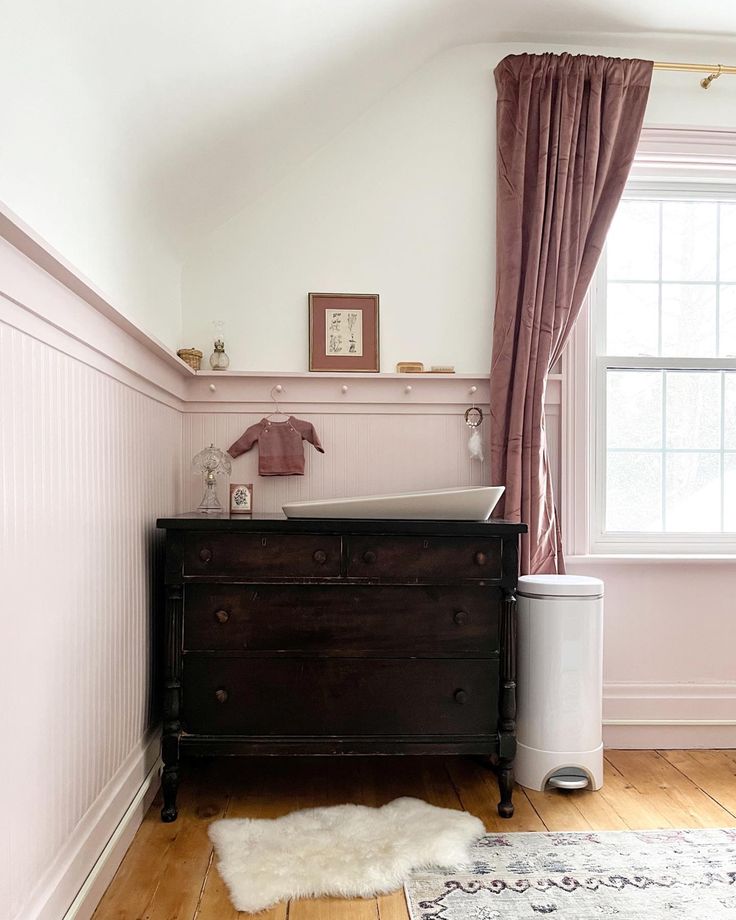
pixel 651 558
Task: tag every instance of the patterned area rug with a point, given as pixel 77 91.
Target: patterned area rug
pixel 581 876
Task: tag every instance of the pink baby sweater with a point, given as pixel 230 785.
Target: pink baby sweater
pixel 280 448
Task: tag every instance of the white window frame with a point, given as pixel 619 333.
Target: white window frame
pixel 670 162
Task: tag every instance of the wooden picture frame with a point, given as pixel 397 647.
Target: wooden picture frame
pixel 241 498
pixel 344 333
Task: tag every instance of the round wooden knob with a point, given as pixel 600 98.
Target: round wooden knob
pixel 369 557
pixel 205 554
pixel 480 558
pixel 221 696
pixel 222 616
pixel 320 557
pixel 460 697
pixel 460 617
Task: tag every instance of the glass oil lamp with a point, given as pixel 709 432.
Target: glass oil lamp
pixel 211 463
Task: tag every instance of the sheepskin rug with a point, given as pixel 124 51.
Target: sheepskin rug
pixel 345 851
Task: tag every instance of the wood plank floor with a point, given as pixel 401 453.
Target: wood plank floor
pixel 169 873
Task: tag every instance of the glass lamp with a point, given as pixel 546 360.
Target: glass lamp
pixel 219 361
pixel 211 463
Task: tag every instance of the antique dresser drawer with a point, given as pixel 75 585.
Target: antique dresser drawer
pixel 293 637
pixel 261 555
pixel 343 619
pixel 339 696
pixel 424 558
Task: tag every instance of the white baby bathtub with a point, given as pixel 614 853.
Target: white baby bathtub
pixel 465 504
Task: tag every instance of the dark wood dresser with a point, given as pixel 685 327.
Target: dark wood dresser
pixel 339 637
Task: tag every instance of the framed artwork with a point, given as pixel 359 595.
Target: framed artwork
pixel 241 498
pixel 343 332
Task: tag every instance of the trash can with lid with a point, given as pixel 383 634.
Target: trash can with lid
pixel 560 682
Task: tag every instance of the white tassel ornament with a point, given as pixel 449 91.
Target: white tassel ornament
pixel 475 446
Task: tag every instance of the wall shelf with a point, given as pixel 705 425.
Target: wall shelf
pixel 361 393
pixel 346 375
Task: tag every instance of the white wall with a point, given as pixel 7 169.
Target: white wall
pixel 89 456
pixel 67 168
pixel 400 204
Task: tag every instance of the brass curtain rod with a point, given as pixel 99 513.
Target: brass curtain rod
pixel 713 71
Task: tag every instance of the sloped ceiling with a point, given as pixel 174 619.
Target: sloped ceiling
pixel 213 101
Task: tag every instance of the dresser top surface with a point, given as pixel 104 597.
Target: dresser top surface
pixel 239 523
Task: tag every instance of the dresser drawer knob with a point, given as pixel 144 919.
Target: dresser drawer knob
pixel 205 554
pixel 222 616
pixel 221 696
pixel 320 556
pixel 369 557
pixel 461 617
pixel 480 558
pixel 460 697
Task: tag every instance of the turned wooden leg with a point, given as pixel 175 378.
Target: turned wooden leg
pixel 172 703
pixel 507 707
pixel 169 787
pixel 506 787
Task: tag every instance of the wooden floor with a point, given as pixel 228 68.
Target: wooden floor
pixel 169 874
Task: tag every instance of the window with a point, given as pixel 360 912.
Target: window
pixel 663 324
pixel 670 437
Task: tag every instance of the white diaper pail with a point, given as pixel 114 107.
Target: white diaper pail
pixel 560 682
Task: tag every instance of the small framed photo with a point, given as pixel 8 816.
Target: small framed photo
pixel 343 332
pixel 241 498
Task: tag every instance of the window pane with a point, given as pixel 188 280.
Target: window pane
pixel 633 491
pixel 728 242
pixel 729 410
pixel 693 409
pixel 689 320
pixel 634 415
pixel 632 247
pixel 689 234
pixel 693 492
pixel 670 450
pixel 632 319
pixel 727 336
pixel 729 492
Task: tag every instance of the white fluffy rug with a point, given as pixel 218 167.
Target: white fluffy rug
pixel 347 850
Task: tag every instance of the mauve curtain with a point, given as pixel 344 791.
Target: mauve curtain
pixel 568 127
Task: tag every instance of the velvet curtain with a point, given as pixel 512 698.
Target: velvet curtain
pixel 568 127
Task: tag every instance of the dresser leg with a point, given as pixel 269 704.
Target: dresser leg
pixel 506 787
pixel 172 702
pixel 169 787
pixel 507 705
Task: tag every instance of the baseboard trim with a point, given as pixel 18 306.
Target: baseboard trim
pixel 668 734
pixel 103 871
pixel 78 877
pixel 681 715
pixel 695 703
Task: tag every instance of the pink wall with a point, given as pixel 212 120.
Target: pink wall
pixel 89 455
pixel 669 668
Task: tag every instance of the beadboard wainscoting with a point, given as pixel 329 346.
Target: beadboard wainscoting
pixel 90 454
pixel 391 433
pixel 363 456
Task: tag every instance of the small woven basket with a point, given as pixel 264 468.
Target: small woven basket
pixel 192 357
